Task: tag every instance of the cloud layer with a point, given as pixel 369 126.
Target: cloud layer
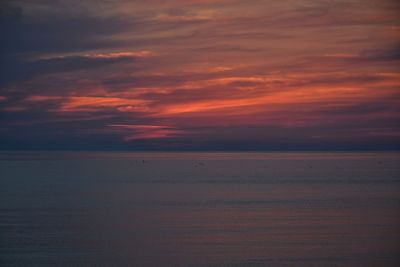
pixel 207 75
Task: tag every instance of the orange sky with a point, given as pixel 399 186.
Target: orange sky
pixel 209 75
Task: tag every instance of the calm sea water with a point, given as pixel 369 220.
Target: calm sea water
pixel 199 209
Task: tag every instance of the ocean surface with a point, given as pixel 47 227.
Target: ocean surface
pixel 199 209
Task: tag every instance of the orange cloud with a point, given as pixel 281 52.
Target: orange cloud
pixel 91 103
pixel 110 55
pixel 141 132
pixel 144 53
pixel 299 96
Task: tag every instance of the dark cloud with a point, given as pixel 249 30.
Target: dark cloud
pixel 59 34
pixel 10 13
pixel 228 48
pixel 376 107
pixel 20 70
pixel 389 54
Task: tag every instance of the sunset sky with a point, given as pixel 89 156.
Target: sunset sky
pixel 200 75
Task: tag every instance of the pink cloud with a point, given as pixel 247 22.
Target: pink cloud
pixel 141 132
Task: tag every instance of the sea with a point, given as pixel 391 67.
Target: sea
pixel 200 209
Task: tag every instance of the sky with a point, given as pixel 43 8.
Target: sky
pixel 200 75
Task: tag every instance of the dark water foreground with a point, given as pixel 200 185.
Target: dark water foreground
pixel 199 209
